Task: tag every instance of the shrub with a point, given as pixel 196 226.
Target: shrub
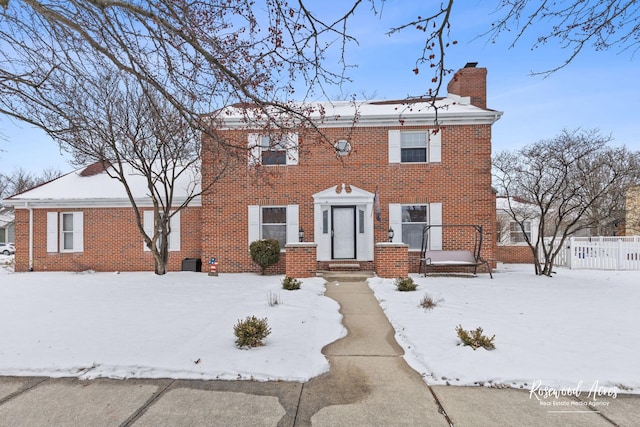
pixel 427 302
pixel 405 285
pixel 291 284
pixel 251 332
pixel 265 253
pixel 475 338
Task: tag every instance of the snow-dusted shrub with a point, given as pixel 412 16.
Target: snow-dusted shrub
pixel 475 338
pixel 291 284
pixel 406 284
pixel 265 252
pixel 251 332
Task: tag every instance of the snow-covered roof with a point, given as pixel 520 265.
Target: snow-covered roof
pixel 98 189
pixel 518 205
pixel 451 110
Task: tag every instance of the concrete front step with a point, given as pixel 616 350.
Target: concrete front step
pixel 346 276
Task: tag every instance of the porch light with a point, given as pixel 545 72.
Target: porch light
pixel 391 234
pixel 301 234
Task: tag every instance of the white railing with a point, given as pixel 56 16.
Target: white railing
pixel 601 253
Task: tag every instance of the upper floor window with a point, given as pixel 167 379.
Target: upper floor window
pixel 415 146
pixel 275 149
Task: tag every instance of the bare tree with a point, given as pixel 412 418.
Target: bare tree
pixel 129 131
pixel 21 180
pixel 264 53
pixel 574 181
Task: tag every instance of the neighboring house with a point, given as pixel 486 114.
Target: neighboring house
pixel 632 212
pixel 83 220
pixel 510 236
pixel 7 227
pixel 387 167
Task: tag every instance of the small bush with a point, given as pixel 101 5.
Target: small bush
pixel 265 253
pixel 427 302
pixel 291 284
pixel 475 339
pixel 405 285
pixel 251 332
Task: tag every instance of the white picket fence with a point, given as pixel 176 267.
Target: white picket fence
pixel 601 253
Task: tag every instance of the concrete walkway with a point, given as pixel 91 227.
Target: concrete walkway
pixel 369 384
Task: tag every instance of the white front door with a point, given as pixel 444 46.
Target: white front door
pixel 343 220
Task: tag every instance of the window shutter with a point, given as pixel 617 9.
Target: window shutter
pixel 435 218
pixel 149 226
pixel 394 146
pixel 78 232
pixel 254 223
pixel 435 146
pixel 395 221
pixel 255 149
pixel 292 223
pixel 52 232
pixel 174 236
pixel 292 149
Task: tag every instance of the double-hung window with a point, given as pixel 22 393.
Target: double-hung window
pixel 173 239
pixel 413 147
pixel 414 218
pixel 516 234
pixel 65 232
pixel 274 224
pixel 273 150
pixel 408 222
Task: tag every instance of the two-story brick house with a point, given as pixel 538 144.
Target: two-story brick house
pixel 385 166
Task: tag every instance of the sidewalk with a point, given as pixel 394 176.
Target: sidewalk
pixel 369 384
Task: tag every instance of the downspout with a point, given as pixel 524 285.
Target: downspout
pixel 30 235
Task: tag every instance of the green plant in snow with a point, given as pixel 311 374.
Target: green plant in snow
pixel 406 284
pixel 475 339
pixel 251 332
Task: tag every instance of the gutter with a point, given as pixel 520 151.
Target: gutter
pixel 30 209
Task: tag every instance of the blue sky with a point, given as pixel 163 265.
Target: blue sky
pixel 597 90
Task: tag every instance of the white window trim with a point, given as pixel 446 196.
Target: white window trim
pixel 255 222
pixel 55 233
pixel 434 217
pixel 292 154
pixel 434 146
pixel 148 222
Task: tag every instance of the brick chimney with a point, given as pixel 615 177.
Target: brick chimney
pixel 472 82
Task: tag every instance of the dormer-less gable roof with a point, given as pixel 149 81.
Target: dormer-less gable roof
pixel 93 187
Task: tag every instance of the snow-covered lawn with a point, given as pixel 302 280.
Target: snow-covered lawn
pixel 571 330
pixel 177 326
pixel 577 329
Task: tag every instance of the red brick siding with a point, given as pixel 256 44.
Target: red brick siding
pixel 461 182
pixel 514 254
pixel 112 242
pixel 392 260
pixel 301 260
